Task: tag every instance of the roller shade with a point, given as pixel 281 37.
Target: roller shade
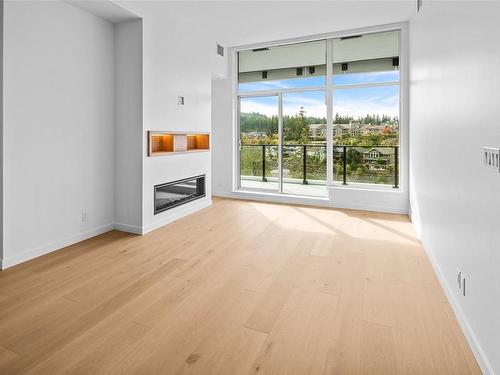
pixel 366 53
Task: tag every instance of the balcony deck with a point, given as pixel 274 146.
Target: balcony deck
pixel 290 186
pixel 314 188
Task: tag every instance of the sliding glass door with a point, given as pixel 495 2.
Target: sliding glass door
pixel 303 143
pixel 282 88
pixel 259 143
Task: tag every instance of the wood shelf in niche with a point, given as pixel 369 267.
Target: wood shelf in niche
pixel 165 143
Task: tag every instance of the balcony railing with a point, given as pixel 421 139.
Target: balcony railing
pixel 307 163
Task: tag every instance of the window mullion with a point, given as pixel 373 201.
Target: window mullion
pixel 329 112
pixel 280 142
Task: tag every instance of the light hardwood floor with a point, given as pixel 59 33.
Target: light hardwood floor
pixel 237 288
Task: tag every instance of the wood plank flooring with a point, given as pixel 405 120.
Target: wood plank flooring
pixel 237 288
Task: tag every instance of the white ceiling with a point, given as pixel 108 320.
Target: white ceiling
pixel 236 23
pixel 104 9
pixel 254 22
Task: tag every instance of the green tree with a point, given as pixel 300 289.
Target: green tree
pixel 303 127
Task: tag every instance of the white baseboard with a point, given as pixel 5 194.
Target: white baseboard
pixel 479 354
pixel 48 248
pixel 180 212
pixel 168 217
pixel 135 229
pixel 309 201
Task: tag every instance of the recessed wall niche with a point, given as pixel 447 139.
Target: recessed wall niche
pixel 165 143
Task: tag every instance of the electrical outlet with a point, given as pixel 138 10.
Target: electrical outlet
pixel 461 281
pixel 491 156
pixel 84 216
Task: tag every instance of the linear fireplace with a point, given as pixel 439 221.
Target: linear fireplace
pixel 173 194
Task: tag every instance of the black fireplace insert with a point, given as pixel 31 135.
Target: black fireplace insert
pixel 175 193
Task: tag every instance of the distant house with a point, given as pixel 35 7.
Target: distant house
pixel 376 154
pixel 317 131
pixel 256 134
pixel 340 130
pixel 391 128
pixel 353 128
pixel 373 129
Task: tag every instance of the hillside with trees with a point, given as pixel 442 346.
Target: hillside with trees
pixel 257 128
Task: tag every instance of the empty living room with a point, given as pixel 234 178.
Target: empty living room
pixel 249 187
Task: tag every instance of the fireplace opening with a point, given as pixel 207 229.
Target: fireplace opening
pixel 175 193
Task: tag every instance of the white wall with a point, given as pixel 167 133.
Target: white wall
pixel 222 136
pixel 455 96
pixel 63 100
pixel 175 63
pixel 58 125
pixel 128 126
pixel 1 129
pixel 179 59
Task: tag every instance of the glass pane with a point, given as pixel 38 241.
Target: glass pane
pixel 367 122
pixel 259 143
pixel 371 58
pixel 282 84
pixel 368 77
pixel 304 143
pixel 283 67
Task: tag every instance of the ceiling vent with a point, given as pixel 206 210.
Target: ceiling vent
pixel 220 50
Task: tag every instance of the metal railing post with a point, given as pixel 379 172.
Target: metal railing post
pixel 334 168
pixel 344 165
pixel 304 165
pixel 396 167
pixel 264 179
